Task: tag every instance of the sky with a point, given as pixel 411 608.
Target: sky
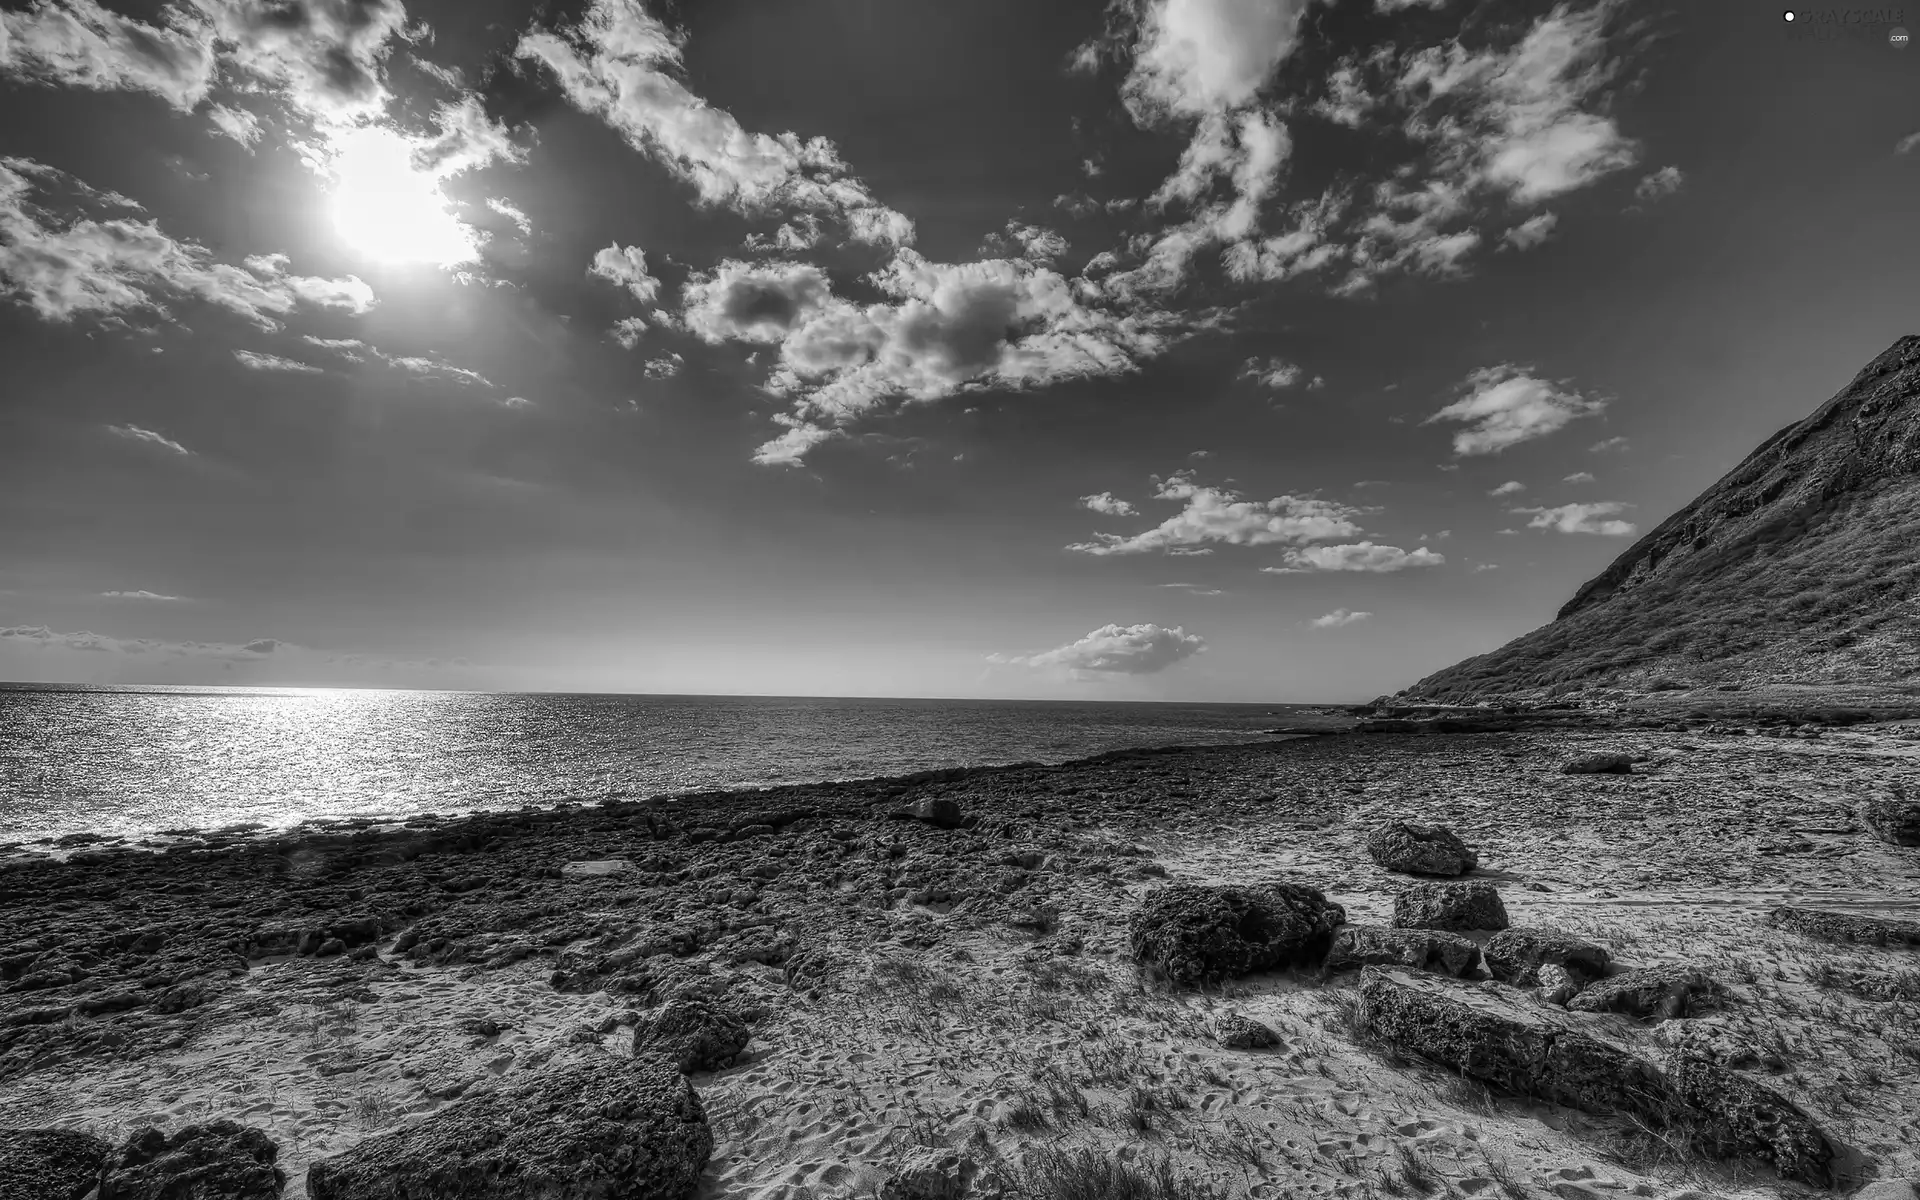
pixel 1239 350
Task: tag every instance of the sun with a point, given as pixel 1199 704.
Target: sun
pixel 388 209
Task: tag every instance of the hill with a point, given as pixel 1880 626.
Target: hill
pixel 1801 566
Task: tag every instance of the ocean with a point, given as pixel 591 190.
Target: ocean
pixel 134 761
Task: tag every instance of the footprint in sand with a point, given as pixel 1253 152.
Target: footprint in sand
pixel 1473 1185
pixel 1415 1128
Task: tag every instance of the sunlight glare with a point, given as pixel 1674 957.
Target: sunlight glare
pixel 389 209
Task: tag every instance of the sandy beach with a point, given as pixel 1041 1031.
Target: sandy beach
pixel 911 987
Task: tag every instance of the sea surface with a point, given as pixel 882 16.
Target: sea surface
pixel 130 762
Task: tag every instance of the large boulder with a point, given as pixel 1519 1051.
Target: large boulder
pixel 1844 927
pixel 221 1160
pixel 1237 1031
pixel 1895 821
pixel 585 1127
pixel 1663 992
pixel 1542 1052
pixel 695 1032
pixel 1198 933
pixel 1420 850
pixel 50 1164
pixel 1356 946
pixel 1472 904
pixel 1515 954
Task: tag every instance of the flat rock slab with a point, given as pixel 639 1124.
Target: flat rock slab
pixel 1458 907
pixel 1356 946
pixel 585 1127
pixel 1517 953
pixel 1845 927
pixel 50 1164
pixel 594 867
pixel 1497 1036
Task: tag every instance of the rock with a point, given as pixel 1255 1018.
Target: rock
pixel 1197 933
pixel 1473 904
pixel 1599 764
pixel 1664 992
pixel 942 812
pixel 1420 850
pixel 1895 821
pixel 1514 954
pixel 1557 984
pixel 1537 1051
pixel 50 1164
pixel 595 868
pixel 1237 1031
pixel 694 1032
pixel 1844 927
pixel 588 1126
pixel 221 1160
pixel 1889 1189
pixel 928 1174
pixel 1357 946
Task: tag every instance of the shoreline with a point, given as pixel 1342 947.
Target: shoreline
pixel 910 981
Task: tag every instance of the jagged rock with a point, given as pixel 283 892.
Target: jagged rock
pixel 1844 927
pixel 929 1174
pixel 1357 946
pixel 221 1160
pixel 50 1164
pixel 694 1032
pixel 1515 954
pixel 1420 850
pixel 942 812
pixel 1473 904
pixel 1237 1031
pixel 1665 992
pixel 1196 933
pixel 1537 1051
pixel 586 1127
pixel 1598 764
pixel 1895 821
pixel 1557 985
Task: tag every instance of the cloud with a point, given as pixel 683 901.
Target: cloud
pixel 1907 144
pixel 1578 477
pixel 1357 556
pixel 1220 515
pixel 1031 242
pixel 1337 618
pixel 1612 443
pixel 1580 518
pixel 1193 589
pixel 94 267
pixel 625 266
pixel 944 328
pixel 434 368
pixel 156 597
pixel 1508 488
pixel 628 331
pixel 1530 232
pixel 1194 57
pixel 520 219
pixel 1276 373
pixel 1506 405
pixel 255 361
pixel 1664 182
pixel 327 57
pixel 1108 503
pixel 664 366
pixel 1385 7
pixel 624 66
pixel 236 123
pixel 1115 649
pixel 137 434
pixel 78 43
pixel 356 351
pixel 138 654
pixel 351 349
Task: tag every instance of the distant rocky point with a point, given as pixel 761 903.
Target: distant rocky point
pixel 1800 567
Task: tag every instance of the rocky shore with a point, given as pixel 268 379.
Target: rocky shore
pixel 1260 970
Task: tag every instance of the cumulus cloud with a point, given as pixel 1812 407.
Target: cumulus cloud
pixel 1581 518
pixel 625 266
pixel 137 434
pixel 1020 240
pixel 1664 182
pixel 1506 405
pixel 664 366
pixel 1508 488
pixel 255 361
pixel 83 266
pixel 1276 373
pixel 1530 232
pixel 1337 618
pixel 624 65
pixel 78 43
pixel 1211 514
pixel 1115 649
pixel 236 123
pixel 143 594
pixel 944 328
pixel 1357 556
pixel 1108 503
pixel 1194 57
pixel 327 57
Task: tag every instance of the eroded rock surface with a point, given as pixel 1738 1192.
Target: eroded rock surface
pixel 1420 850
pixel 1516 953
pixel 1356 946
pixel 1194 933
pixel 50 1164
pixel 1471 904
pixel 220 1160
